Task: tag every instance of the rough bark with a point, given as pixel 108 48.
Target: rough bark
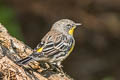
pixel 12 50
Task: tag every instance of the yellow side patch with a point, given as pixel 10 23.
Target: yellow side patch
pixel 40 50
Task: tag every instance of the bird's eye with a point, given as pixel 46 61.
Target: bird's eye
pixel 69 26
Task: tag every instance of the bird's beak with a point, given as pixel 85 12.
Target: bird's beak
pixel 78 24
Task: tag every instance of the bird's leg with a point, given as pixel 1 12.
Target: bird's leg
pixel 53 69
pixel 59 67
pixel 48 70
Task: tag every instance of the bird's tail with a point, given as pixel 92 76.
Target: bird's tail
pixel 24 61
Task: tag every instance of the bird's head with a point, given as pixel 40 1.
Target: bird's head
pixel 65 26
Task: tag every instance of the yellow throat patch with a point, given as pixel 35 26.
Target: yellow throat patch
pixel 71 31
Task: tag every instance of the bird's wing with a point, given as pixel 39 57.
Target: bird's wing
pixel 53 44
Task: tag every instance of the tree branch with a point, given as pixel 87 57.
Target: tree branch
pixel 12 50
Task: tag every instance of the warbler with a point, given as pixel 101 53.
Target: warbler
pixel 56 45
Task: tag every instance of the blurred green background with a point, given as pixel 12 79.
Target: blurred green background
pixel 8 19
pixel 96 55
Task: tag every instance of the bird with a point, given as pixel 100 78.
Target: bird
pixel 56 45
